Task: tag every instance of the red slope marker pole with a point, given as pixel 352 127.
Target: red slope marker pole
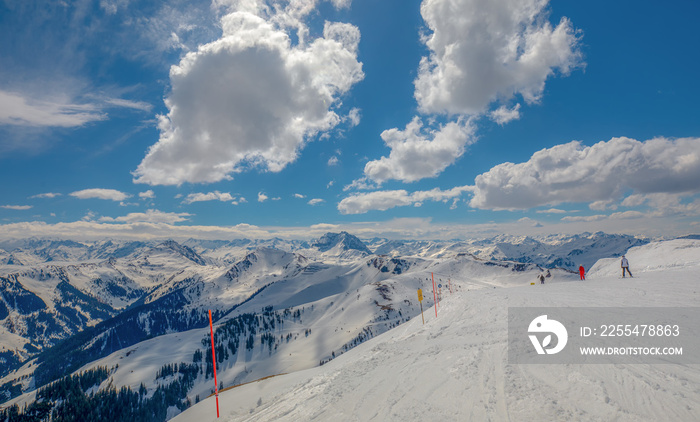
pixel 434 294
pixel 213 359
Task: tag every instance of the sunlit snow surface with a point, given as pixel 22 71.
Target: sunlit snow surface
pixel 454 368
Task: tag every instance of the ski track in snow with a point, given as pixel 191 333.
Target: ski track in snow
pixel 455 367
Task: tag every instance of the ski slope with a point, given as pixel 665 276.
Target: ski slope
pixel 454 367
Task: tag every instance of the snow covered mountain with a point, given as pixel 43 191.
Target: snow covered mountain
pixel 134 307
pixel 342 241
pixel 72 287
pixel 560 251
pixel 455 367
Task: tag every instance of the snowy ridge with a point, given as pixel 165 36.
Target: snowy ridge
pixel 323 303
pixel 53 300
pixel 455 366
pixel 549 251
pixel 322 311
pixel 679 254
pixel 567 251
pixel 112 275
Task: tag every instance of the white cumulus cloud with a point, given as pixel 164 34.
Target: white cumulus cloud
pixel 150 216
pixel 503 114
pixel 383 200
pixel 209 196
pixel 485 50
pixel 665 204
pixel 551 211
pixel 599 174
pixel 480 52
pixel 97 193
pixel 251 98
pixel 46 195
pixel 417 153
pixel 587 218
pixel 16 207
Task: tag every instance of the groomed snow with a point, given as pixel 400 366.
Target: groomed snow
pixel 454 368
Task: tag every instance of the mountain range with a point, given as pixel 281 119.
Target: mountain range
pixel 279 306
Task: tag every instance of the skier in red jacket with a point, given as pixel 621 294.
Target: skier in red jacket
pixel 582 271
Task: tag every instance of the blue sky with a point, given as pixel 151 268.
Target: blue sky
pixel 397 118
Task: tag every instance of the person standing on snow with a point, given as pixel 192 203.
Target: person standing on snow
pixel 625 266
pixel 582 272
